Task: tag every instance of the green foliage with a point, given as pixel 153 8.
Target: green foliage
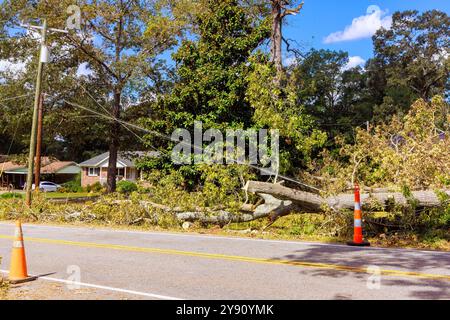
pixel 336 97
pixel 126 187
pixel 411 60
pixel 409 153
pixel 96 187
pixel 11 195
pixel 201 185
pixel 277 107
pixel 210 86
pixel 211 72
pixel 73 185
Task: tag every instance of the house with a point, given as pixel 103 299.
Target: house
pixel 96 169
pixel 15 174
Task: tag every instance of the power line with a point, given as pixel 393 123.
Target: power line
pixel 107 111
pixel 164 136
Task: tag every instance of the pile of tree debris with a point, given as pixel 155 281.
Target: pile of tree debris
pixel 278 200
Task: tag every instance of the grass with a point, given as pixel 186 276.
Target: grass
pixel 50 195
pixel 68 195
pixel 11 195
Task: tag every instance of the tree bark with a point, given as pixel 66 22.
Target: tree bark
pixel 277 35
pixel 271 208
pixel 314 203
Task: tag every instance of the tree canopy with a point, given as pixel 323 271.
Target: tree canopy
pixel 162 65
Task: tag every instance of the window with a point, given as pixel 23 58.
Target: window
pixel 93 172
pixel 120 172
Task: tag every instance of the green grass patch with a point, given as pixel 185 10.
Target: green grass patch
pixel 68 195
pixel 12 195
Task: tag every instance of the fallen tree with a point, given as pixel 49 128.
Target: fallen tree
pixel 312 202
pixel 280 200
pixel 271 208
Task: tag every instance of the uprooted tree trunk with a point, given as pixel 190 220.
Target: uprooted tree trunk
pixel 313 203
pixel 280 200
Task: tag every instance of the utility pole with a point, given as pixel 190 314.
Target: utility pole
pixel 43 58
pixel 37 164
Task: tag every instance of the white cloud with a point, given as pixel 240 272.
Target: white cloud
pixel 363 26
pixel 83 70
pixel 354 62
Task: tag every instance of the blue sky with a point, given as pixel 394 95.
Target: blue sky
pixel 320 18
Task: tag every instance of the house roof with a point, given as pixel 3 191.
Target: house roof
pixel 127 158
pixel 48 166
pixel 56 166
pixel 8 166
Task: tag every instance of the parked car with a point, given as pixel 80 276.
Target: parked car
pixel 47 186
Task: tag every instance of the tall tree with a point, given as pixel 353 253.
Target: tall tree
pixel 280 9
pixel 411 59
pixel 115 38
pixel 334 95
pixel 210 84
pixel 119 40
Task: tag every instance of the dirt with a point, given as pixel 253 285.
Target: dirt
pixel 41 289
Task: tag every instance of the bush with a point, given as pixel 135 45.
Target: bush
pixel 96 187
pixel 126 187
pixel 73 185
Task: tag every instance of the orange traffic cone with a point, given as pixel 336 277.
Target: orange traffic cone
pixel 357 227
pixel 18 270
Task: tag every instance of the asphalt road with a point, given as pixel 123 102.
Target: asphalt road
pixel 151 265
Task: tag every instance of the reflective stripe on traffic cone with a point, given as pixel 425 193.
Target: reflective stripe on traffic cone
pixel 18 270
pixel 357 226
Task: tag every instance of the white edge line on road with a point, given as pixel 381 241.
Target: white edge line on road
pixel 74 283
pixel 214 237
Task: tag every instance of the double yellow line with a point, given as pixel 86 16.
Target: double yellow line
pixel 234 258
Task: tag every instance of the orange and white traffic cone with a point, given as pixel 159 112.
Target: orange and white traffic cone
pixel 357 228
pixel 18 270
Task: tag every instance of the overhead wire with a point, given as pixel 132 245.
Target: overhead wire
pixel 191 145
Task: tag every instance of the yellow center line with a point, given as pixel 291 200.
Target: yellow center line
pixel 234 258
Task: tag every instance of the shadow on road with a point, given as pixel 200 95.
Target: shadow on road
pixel 403 260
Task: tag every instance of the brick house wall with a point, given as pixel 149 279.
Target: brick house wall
pixel 86 179
pixel 131 174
